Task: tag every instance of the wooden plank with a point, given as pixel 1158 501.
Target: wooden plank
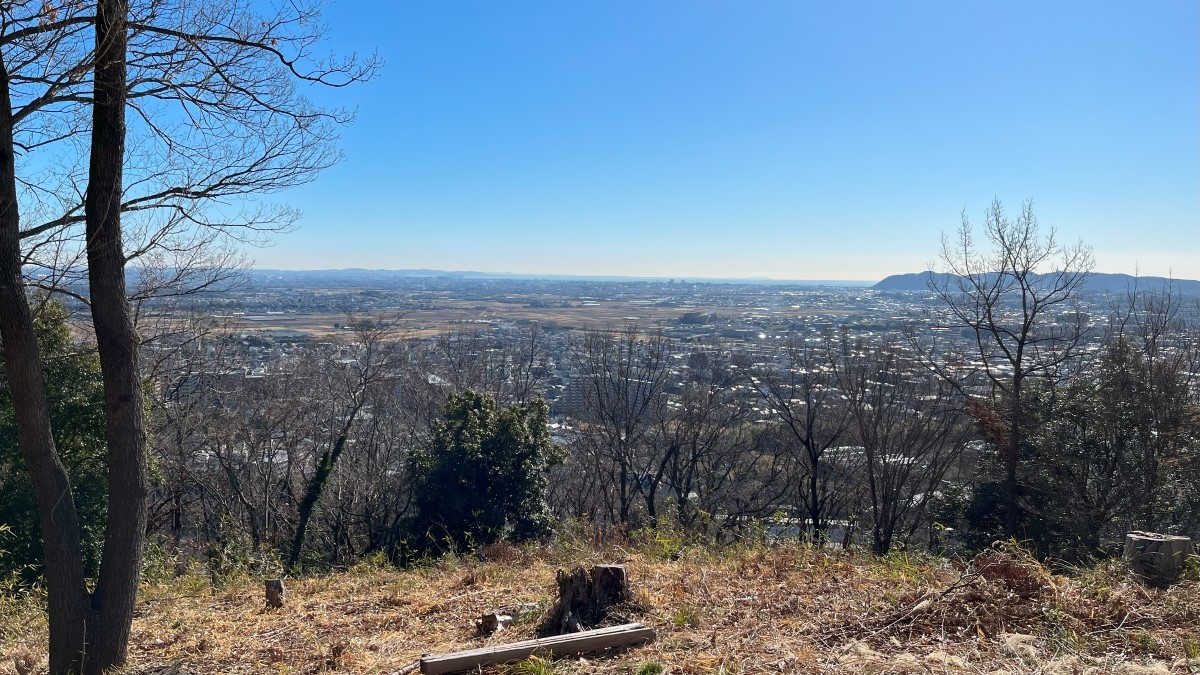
pixel 573 643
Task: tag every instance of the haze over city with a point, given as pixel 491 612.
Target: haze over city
pixel 784 140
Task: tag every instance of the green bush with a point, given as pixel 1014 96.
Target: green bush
pixel 76 399
pixel 484 478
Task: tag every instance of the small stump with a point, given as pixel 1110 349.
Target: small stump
pixel 584 597
pixel 275 593
pixel 1157 558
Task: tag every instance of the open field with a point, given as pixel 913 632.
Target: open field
pixel 787 609
pixel 450 314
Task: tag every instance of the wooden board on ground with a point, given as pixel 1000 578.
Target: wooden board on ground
pixel 574 643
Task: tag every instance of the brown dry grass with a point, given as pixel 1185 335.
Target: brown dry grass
pixel 783 609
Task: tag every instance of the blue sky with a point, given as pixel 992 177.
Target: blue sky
pixel 794 140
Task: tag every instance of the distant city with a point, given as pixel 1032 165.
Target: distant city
pixel 274 316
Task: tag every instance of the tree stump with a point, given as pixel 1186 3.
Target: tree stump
pixel 1157 558
pixel 275 593
pixel 584 597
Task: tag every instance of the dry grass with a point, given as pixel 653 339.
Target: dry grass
pixel 786 609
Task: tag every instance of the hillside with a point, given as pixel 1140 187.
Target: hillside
pixel 1096 283
pixel 752 609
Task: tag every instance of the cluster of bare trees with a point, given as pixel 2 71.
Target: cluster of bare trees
pixel 1088 414
pixel 311 462
pixel 308 457
pixel 823 432
pixel 1114 444
pixel 833 437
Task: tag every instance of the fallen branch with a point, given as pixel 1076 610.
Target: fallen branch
pixel 929 599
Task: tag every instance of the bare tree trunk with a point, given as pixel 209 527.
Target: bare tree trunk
pixel 815 512
pixel 316 486
pixel 625 495
pixel 1012 455
pixel 66 593
pixel 116 589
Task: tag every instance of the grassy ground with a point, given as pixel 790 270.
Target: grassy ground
pixel 783 609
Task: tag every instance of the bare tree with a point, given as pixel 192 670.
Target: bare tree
pixel 802 393
pixel 704 453
pixel 509 364
pixel 371 360
pixel 218 117
pixel 370 494
pixel 113 598
pixel 1162 325
pixel 215 116
pixel 1018 300
pixel 525 365
pixel 909 430
pixel 622 378
pixel 241 450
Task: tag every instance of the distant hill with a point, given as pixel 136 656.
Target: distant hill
pixel 915 281
pixel 1097 282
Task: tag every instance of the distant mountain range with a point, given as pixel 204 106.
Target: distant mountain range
pixel 1097 282
pixel 917 281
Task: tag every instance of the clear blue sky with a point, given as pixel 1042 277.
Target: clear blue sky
pixel 795 140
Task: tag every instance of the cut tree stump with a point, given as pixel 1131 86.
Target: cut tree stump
pixel 274 593
pixel 559 645
pixel 584 597
pixel 1157 558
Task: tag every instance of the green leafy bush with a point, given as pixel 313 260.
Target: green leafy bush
pixel 484 478
pixel 76 399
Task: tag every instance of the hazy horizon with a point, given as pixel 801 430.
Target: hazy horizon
pixel 564 275
pixel 646 277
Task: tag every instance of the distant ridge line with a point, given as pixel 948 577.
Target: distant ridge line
pixel 1097 282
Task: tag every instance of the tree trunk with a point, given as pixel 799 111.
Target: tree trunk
pixel 813 504
pixel 316 487
pixel 116 589
pixel 1012 453
pixel 652 489
pixel 59 520
pixel 624 489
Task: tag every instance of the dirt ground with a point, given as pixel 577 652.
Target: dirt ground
pixel 787 609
